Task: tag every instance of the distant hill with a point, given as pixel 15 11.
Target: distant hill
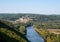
pixel 35 17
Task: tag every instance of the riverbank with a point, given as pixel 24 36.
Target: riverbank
pixel 48 37
pixel 40 32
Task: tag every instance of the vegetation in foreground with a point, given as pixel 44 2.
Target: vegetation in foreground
pixel 10 34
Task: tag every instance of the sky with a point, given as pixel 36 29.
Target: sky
pixel 30 6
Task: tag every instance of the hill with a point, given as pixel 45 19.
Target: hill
pixel 9 34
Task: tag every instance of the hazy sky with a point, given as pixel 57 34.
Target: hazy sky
pixel 30 6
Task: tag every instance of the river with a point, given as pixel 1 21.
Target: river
pixel 32 35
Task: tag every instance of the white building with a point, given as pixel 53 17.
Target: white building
pixel 22 20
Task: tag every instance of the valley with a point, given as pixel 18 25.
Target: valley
pixel 17 28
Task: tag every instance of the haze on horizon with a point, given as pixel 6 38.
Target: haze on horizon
pixel 30 6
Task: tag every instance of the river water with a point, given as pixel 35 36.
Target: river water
pixel 33 36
